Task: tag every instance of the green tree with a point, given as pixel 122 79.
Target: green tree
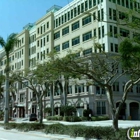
pixel 2 77
pixel 8 46
pixel 99 69
pixel 40 81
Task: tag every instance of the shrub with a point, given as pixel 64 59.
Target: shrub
pixel 54 118
pixel 86 112
pixel 84 118
pixel 68 110
pixel 99 118
pixel 48 110
pixel 72 119
pixel 56 129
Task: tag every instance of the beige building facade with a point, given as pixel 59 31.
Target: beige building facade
pixel 76 26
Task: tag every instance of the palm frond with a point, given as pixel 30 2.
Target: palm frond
pixel 2 42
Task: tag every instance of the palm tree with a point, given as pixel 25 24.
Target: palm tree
pixel 8 46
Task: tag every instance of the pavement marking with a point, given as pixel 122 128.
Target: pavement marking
pixel 3 139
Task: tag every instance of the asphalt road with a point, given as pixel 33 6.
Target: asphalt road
pixel 17 135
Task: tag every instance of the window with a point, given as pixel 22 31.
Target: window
pixel 47 25
pixel 101 107
pixel 44 42
pixel 114 1
pixel 87 51
pixel 86 5
pixel 118 2
pixel 116 48
pixel 102 14
pixel 114 15
pixel 138 88
pixel 111 47
pixel 123 3
pixel 65 45
pixel 94 33
pixel 99 32
pixel 57 35
pixel 82 7
pixel 94 2
pixel 115 32
pixel 70 90
pixel 75 12
pixel 99 15
pixel 103 31
pixel 90 3
pixel 57 48
pixel 75 25
pixel 44 27
pixel 87 36
pixel 124 32
pixel 76 41
pixel 111 31
pixel 123 15
pixel 100 90
pixel 37 30
pixel 47 50
pixel 38 43
pixel 65 30
pixel 110 13
pixel 94 16
pixel 78 9
pixel 71 13
pixel 41 29
pixel 86 20
pixel 116 86
pixel 47 38
pixel 22 97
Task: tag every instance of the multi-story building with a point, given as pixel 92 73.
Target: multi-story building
pixel 80 24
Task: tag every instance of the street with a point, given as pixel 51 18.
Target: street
pixel 17 135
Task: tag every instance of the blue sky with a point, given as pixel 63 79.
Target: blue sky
pixel 15 14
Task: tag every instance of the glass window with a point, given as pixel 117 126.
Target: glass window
pixel 87 51
pixel 75 25
pixel 65 45
pixel 57 48
pixel 65 30
pixel 86 20
pixel 57 35
pixel 75 41
pixel 87 36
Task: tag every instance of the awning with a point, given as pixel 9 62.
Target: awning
pixel 80 104
pixel 57 105
pixel 48 105
pixel 21 105
pixel 69 104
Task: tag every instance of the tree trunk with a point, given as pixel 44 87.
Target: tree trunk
pixel 6 109
pixel 65 91
pixel 52 100
pixel 115 122
pixel 109 94
pixel 40 111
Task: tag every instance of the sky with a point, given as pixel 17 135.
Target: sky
pixel 15 14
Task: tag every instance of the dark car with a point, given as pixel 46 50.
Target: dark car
pixel 33 117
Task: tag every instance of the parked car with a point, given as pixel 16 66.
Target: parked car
pixel 33 117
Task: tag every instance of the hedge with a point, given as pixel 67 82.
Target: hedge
pixel 106 133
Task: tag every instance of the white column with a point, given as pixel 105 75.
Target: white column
pixel 85 105
pixel 58 111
